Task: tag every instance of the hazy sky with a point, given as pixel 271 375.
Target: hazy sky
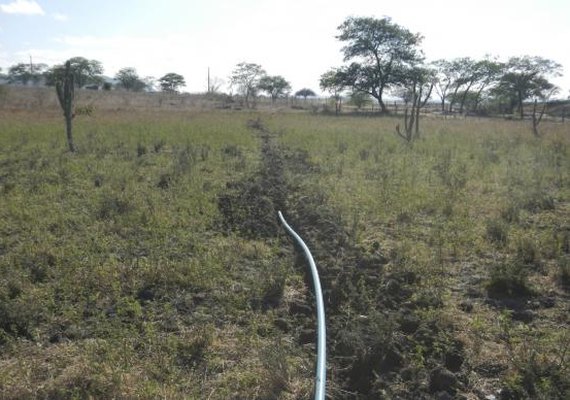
pixel 293 38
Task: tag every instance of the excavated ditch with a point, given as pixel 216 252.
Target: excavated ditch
pixel 380 342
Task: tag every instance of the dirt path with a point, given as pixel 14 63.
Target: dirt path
pixel 383 341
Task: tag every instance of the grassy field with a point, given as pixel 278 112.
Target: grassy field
pixel 150 264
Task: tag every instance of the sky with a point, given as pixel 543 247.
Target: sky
pixel 292 38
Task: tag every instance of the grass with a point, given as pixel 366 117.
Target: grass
pixel 119 278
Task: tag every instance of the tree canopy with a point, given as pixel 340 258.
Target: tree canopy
pixel 84 72
pixel 379 49
pixel 526 77
pixel 333 82
pixel 276 86
pixel 245 79
pixel 171 82
pixel 130 80
pixel 304 93
pixel 24 73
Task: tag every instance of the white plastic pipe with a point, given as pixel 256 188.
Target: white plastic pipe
pixel 321 374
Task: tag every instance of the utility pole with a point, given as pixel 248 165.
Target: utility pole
pixel 31 66
pixel 208 79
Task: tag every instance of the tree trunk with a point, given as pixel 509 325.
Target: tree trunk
pixel 65 90
pixel 383 108
pixel 464 97
pixel 68 130
pixel 521 110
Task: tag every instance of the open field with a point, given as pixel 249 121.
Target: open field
pixel 150 264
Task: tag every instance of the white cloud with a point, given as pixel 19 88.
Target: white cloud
pixel 60 17
pixel 27 7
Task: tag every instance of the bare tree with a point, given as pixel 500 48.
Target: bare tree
pixel 333 82
pixel 536 114
pixel 418 89
pixel 245 78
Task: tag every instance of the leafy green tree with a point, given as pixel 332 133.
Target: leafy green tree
pixel 524 78
pixel 380 49
pixel 130 80
pixel 446 76
pixel 471 75
pixel 19 73
pixel 488 73
pixel 245 78
pixel 463 73
pixel 276 86
pixel 359 99
pixel 171 82
pixel 84 72
pixel 333 81
pixel 304 93
pixel 25 73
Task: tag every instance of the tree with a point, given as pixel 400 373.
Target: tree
pixel 526 77
pixel 276 86
pixel 130 80
pixel 84 72
pixel 304 93
pixel 462 72
pixel 334 83
pixel 359 99
pixel 171 82
pixel 489 71
pixel 473 75
pixel 444 79
pixel 24 73
pixel 245 78
pixel 417 85
pixel 380 49
pixel 150 83
pixel 65 89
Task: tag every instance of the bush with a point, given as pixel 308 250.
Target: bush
pixel 527 252
pixel 509 280
pixel 497 232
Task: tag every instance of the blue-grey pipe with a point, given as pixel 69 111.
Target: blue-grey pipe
pixel 321 375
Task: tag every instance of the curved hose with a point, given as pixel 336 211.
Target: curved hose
pixel 321 373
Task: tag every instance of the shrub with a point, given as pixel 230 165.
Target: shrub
pixel 497 232
pixel 511 213
pixel 509 280
pixel 538 201
pixel 527 252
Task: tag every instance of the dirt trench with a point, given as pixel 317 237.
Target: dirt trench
pixel 380 343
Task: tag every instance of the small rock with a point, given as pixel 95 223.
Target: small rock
pixel 454 361
pixel 441 379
